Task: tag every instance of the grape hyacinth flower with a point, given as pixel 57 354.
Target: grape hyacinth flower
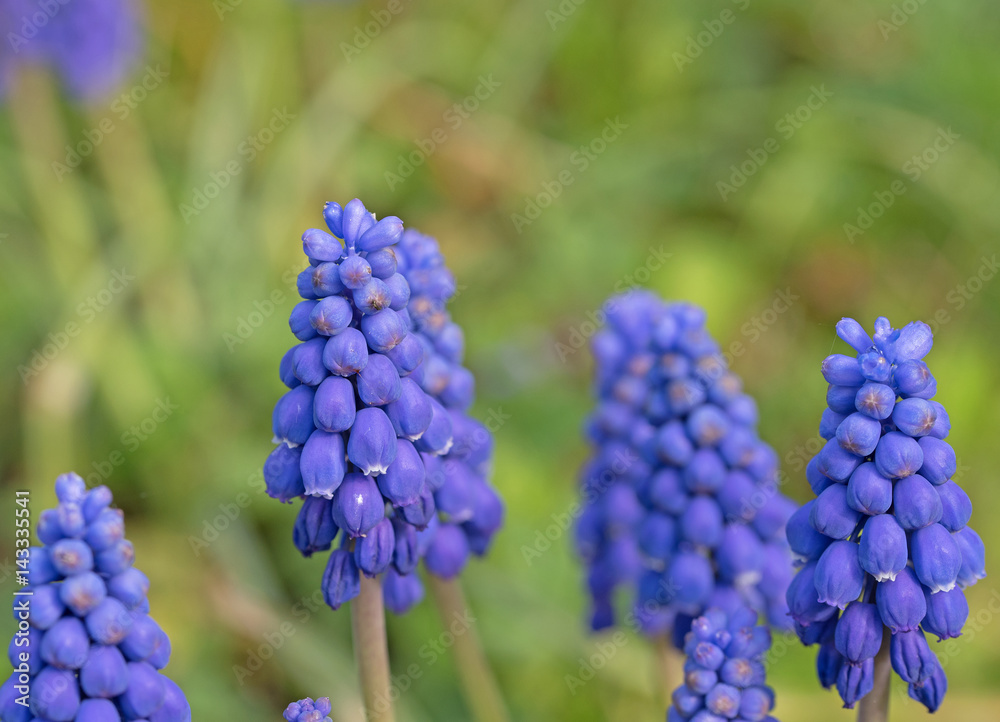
pixel 681 505
pixel 305 710
pixel 724 669
pixel 373 433
pixel 92 45
pixel 86 648
pixel 885 544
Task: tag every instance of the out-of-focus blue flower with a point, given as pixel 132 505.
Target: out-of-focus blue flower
pixel 305 710
pixel 92 45
pixel 373 432
pixel 903 552
pixel 724 671
pixel 680 496
pixel 90 650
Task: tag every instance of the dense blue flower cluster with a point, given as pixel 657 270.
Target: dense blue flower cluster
pixel 373 432
pixel 724 672
pixel 305 710
pixel 885 543
pixel 680 495
pixel 86 648
pixel 91 44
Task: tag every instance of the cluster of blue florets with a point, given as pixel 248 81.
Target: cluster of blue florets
pixel 92 44
pixel 305 710
pixel 886 542
pixel 724 670
pixel 86 648
pixel 680 496
pixel 373 433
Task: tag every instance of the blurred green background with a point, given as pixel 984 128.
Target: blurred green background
pixel 798 162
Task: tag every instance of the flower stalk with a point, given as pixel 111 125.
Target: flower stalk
pixel 371 650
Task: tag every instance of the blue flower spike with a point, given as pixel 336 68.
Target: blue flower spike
pixel 306 710
pixel 885 544
pixel 681 505
pixel 373 433
pixel 86 647
pixel 724 670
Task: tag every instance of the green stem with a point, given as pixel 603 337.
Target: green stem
pixel 371 650
pixel 669 667
pixel 482 693
pixel 874 706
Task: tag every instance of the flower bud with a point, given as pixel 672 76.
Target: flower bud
pixel 115 559
pixel 322 464
pixel 145 693
pixel 421 512
pixel 973 557
pixel 105 530
pixel 383 330
pixel 65 645
pixel 292 420
pixel 839 577
pixel 282 474
pixel 324 281
pixel 956 507
pixel 321 245
pixel 898 456
pixel 916 503
pixel 912 659
pixel 842 370
pixel 437 437
pixel 357 505
pixel 401 591
pixel 914 417
pixel 448 552
pixel 690 576
pixel 346 353
pixel 378 381
pixel 372 443
pixel 842 399
pixel 314 529
pixel 829 662
pixel 868 491
pixel 701 523
pixel 355 272
pixel 341 581
pixel 836 462
pixel 947 613
pixel 939 462
pixel 705 473
pixel 859 632
pixel 854 681
pixel 831 515
pixel 55 695
pixel 930 693
pixel 82 592
pixel 937 558
pixel 300 321
pixel 900 602
pixel 852 333
pixel 105 673
pixel 334 407
pixel 109 622
pixel 913 343
pixel 859 434
pixel 143 640
pixel 882 551
pixel 373 552
pixel 407 355
pixel 307 361
pixel 97 710
pixel 71 556
pixel 875 400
